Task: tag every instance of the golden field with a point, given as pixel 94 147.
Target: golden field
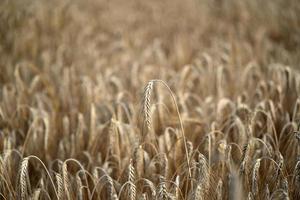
pixel 130 100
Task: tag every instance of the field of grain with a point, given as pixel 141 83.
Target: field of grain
pixel 161 99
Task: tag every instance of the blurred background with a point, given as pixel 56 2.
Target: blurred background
pixel 92 33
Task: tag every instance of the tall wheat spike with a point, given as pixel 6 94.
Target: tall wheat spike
pixel 162 193
pixel 23 178
pixel 255 176
pixel 147 104
pixel 60 186
pixel 131 181
pixel 66 180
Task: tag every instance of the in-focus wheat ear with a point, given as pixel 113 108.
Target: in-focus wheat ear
pixel 60 186
pixel 255 177
pixel 23 178
pixel 147 105
pixel 131 179
pixel 110 189
pixel 66 180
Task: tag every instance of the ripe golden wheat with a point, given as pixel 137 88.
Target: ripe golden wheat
pixel 130 100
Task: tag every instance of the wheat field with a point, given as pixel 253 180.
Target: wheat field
pixel 135 99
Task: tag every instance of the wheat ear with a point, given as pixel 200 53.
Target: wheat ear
pixel 110 189
pixel 147 104
pixel 23 177
pixel 66 180
pixel 131 179
pixel 255 177
pixel 162 193
pixel 60 186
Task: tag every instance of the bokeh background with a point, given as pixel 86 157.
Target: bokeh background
pixel 72 76
pixel 95 33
